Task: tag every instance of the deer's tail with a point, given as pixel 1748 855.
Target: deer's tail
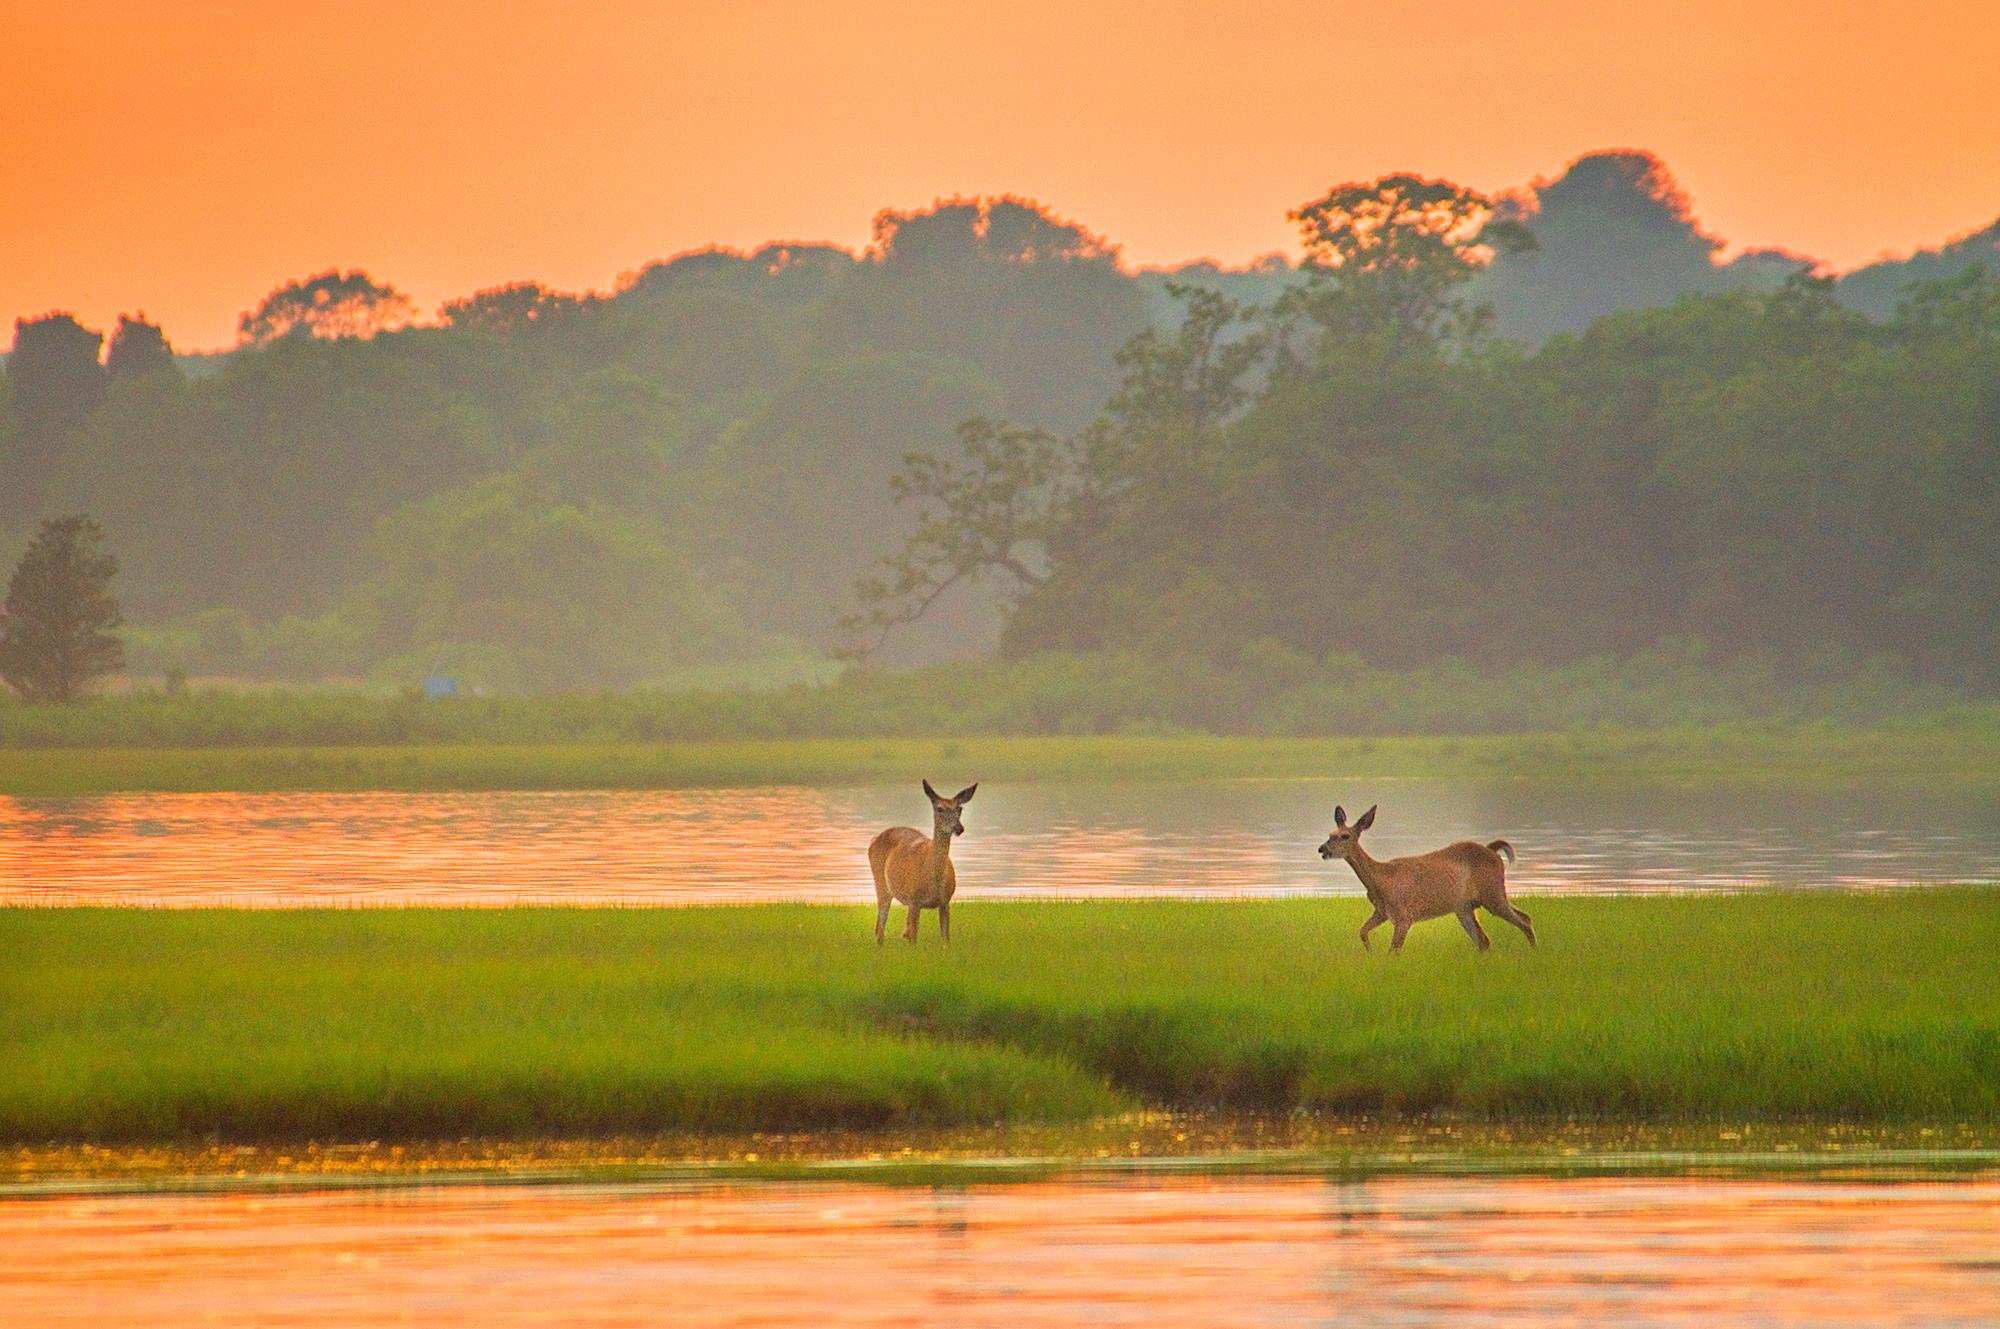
pixel 1502 848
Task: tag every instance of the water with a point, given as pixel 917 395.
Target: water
pixel 1241 838
pixel 1151 1252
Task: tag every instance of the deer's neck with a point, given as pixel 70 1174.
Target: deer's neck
pixel 940 850
pixel 1369 870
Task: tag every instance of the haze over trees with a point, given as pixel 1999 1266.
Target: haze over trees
pixel 1526 429
pixel 1613 232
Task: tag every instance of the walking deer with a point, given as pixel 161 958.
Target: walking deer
pixel 1458 879
pixel 915 869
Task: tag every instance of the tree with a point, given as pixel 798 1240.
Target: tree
pixel 55 373
pixel 331 306
pixel 1019 503
pixel 56 381
pixel 55 632
pixel 138 348
pixel 511 308
pixel 1391 256
pixel 982 515
pixel 1614 231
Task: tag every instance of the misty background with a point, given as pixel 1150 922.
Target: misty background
pixel 1646 454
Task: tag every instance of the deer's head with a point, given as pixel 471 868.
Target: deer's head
pixel 944 811
pixel 1346 839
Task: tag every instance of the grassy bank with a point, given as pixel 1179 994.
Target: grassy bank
pixel 1948 752
pixel 1267 693
pixel 138 1026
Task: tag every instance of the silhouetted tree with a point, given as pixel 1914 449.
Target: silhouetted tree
pixel 55 373
pixel 55 630
pixel 56 382
pixel 138 348
pixel 510 308
pixel 1391 257
pixel 984 514
pixel 1019 498
pixel 1614 231
pixel 331 306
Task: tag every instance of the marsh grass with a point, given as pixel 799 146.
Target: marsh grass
pixel 123 1025
pixel 1957 753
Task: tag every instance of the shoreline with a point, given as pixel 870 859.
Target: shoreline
pixel 1958 756
pixel 1130 1145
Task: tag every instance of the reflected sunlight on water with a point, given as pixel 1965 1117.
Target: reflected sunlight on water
pixel 1140 1252
pixel 685 846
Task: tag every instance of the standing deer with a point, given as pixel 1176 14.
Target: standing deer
pixel 914 869
pixel 1458 879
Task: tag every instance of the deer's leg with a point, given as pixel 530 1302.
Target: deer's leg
pixel 944 922
pixel 1518 917
pixel 1375 920
pixel 881 898
pixel 1402 931
pixel 910 928
pixel 1470 922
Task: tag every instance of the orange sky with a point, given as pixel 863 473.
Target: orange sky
pixel 184 158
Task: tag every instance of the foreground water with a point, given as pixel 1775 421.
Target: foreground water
pixel 1199 839
pixel 1155 1252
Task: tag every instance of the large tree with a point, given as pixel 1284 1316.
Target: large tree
pixel 1019 503
pixel 333 306
pixel 55 372
pixel 57 381
pixel 1391 257
pixel 55 629
pixel 138 349
pixel 1614 231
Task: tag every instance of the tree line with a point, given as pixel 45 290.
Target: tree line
pixel 1462 449
pixel 1363 469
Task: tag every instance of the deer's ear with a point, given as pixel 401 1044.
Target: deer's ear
pixel 965 795
pixel 1339 815
pixel 931 793
pixel 1367 820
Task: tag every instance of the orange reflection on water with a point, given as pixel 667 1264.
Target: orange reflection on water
pixel 425 849
pixel 1163 1252
pixel 1196 839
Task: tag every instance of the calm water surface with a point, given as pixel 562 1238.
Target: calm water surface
pixel 1205 839
pixel 1156 1253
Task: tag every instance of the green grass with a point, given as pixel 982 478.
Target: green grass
pixel 1937 752
pixel 424 1024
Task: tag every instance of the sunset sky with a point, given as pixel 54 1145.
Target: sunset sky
pixel 185 158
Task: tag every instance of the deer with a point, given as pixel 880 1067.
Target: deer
pixel 915 869
pixel 1460 879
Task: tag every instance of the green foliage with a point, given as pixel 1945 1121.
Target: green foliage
pixel 438 1024
pixel 1336 457
pixel 1770 473
pixel 658 743
pixel 563 590
pixel 740 414
pixel 1881 287
pixel 56 624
